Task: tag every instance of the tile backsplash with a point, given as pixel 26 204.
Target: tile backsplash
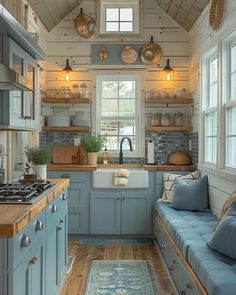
pixel 165 143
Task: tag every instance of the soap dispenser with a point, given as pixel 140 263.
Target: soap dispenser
pixel 105 156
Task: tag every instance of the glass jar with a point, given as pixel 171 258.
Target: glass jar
pixel 75 91
pixel 64 92
pixel 158 119
pixel 153 119
pixel 83 90
pixel 178 119
pixel 51 92
pixel 165 120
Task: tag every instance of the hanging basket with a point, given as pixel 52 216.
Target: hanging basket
pixel 216 13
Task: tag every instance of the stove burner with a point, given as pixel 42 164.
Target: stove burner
pixel 22 193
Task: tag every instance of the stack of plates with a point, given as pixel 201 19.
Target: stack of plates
pixel 58 120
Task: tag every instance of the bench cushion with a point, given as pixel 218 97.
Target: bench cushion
pixel 191 231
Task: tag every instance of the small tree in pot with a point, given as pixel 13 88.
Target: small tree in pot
pixel 40 157
pixel 92 144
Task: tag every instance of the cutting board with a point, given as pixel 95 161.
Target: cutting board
pixel 66 155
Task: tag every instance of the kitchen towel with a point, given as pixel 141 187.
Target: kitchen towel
pixel 122 173
pixel 121 181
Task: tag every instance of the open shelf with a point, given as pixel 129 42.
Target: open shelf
pixel 81 128
pixel 173 100
pixel 66 100
pixel 158 129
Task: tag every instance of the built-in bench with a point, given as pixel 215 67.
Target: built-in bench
pixel 182 239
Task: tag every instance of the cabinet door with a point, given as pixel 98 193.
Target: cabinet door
pixel 16 61
pixel 31 97
pixel 20 278
pixel 38 267
pixel 78 223
pixel 105 213
pixel 135 214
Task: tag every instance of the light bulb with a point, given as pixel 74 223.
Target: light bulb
pixel 168 76
pixel 67 76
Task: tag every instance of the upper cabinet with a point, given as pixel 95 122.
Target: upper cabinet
pixel 20 109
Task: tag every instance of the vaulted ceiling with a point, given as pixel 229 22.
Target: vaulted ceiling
pixel 184 12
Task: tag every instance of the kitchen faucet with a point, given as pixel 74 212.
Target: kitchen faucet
pixel 121 152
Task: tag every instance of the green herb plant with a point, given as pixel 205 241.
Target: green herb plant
pixel 92 143
pixel 38 155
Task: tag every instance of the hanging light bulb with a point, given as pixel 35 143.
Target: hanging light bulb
pixel 67 69
pixel 168 70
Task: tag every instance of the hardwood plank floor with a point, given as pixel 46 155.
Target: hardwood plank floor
pixel 75 282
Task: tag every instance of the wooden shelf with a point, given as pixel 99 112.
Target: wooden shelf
pixel 158 129
pixel 81 128
pixel 167 100
pixel 66 100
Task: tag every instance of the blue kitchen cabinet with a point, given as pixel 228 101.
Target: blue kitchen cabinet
pixel 20 109
pixel 78 199
pixel 105 213
pixel 56 243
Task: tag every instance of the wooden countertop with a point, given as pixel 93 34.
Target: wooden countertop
pixel 80 167
pixel 14 217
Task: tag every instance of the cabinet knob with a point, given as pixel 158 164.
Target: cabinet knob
pixel 59 228
pixel 61 221
pixel 65 175
pixel 163 246
pixel 182 292
pixel 174 261
pixel 189 286
pixel 33 260
pixel 118 198
pixel 122 199
pixel 25 241
pixel 39 225
pixel 54 208
pixel 64 197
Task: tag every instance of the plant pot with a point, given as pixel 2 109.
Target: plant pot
pixel 92 158
pixel 41 172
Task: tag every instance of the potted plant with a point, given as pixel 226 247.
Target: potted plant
pixel 92 144
pixel 40 157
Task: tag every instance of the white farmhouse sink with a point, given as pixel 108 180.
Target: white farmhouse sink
pixel 104 178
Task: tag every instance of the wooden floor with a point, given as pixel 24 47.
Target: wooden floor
pixel 76 280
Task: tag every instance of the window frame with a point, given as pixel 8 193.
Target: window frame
pixel 102 5
pixel 140 134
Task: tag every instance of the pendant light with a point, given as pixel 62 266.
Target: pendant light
pixel 168 70
pixel 67 69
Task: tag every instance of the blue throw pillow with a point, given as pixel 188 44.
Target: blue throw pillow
pixel 190 196
pixel 223 239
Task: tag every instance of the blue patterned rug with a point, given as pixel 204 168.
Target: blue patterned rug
pixel 120 278
pixel 93 241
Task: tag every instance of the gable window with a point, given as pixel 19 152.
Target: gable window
pixel 229 102
pixel 119 17
pixel 209 107
pixel 118 111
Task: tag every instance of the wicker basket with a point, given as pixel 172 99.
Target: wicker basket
pixel 216 13
pixel 179 158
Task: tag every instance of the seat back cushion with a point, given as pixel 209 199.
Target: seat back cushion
pixel 190 196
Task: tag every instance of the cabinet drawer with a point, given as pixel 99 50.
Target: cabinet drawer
pixel 20 244
pixel 53 212
pixel 74 176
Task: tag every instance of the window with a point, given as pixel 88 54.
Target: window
pixel 229 102
pixel 118 111
pixel 119 17
pixel 209 107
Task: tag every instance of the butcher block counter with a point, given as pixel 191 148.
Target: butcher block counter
pixel 14 217
pixel 83 167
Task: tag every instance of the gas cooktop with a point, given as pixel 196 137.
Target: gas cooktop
pixel 27 193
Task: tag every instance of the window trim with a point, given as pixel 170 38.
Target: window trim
pixel 140 134
pixel 101 17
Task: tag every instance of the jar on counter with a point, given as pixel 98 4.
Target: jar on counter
pixel 165 120
pixel 83 90
pixel 178 119
pixel 75 91
pixel 64 92
pixel 158 119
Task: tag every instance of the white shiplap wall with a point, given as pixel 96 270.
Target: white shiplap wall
pixel 64 42
pixel 202 39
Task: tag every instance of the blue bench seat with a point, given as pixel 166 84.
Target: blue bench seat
pixel 190 232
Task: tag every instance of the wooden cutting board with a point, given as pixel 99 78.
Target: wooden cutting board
pixel 66 155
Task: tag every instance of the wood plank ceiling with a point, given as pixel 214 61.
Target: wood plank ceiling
pixel 184 12
pixel 51 12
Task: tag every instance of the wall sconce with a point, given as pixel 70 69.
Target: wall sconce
pixel 67 69
pixel 168 70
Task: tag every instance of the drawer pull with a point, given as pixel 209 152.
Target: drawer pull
pixel 174 261
pixel 25 241
pixel 171 268
pixel 33 260
pixel 163 246
pixel 61 221
pixel 118 198
pixel 189 286
pixel 182 292
pixel 54 208
pixel 39 225
pixel 65 175
pixel 64 197
pixel 59 228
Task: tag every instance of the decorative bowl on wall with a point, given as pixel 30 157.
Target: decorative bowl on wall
pixel 85 25
pixel 150 53
pixel 128 55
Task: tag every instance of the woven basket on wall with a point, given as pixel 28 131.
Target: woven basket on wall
pixel 216 13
